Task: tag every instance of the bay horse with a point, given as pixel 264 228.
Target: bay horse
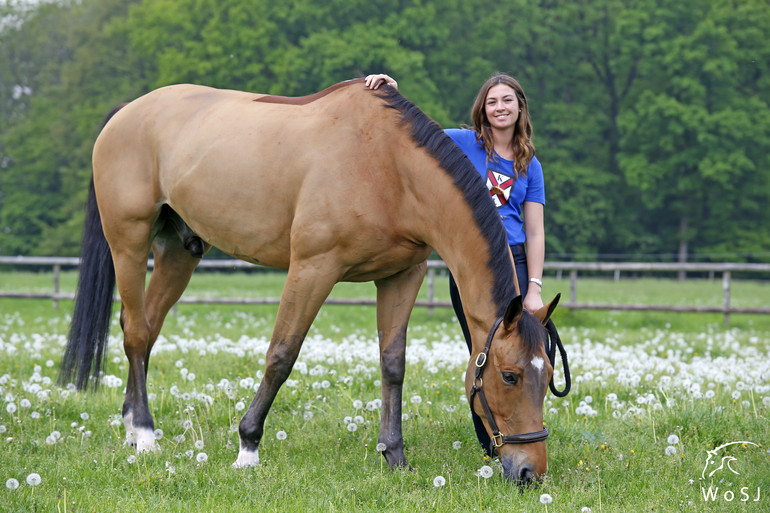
pixel 347 184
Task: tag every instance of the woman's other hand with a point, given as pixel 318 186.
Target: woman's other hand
pixel 533 301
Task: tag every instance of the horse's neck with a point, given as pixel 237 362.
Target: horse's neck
pixel 451 230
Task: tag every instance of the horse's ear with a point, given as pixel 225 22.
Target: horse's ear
pixel 513 313
pixel 545 312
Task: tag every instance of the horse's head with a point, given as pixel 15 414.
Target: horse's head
pixel 506 384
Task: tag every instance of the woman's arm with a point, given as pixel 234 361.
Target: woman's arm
pixel 535 232
pixel 375 81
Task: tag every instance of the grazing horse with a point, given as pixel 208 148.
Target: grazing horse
pixel 347 184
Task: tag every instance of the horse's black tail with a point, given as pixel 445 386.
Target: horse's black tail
pixel 90 328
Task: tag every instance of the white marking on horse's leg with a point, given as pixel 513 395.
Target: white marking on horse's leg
pixel 537 363
pixel 128 423
pixel 246 458
pixel 145 440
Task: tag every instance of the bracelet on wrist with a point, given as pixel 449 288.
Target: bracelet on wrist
pixel 537 281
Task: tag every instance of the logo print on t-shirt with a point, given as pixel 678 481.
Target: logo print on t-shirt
pixel 499 186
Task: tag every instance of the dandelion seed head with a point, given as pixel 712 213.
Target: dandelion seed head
pixel 457 444
pixel 33 479
pixel 546 499
pixel 202 457
pixel 199 444
pixel 281 435
pixel 486 472
pixel 439 481
pixel 352 427
pixel 240 406
pixel 158 434
pixel 12 484
pixel 381 447
pixel 131 459
pixel 670 450
pixel 673 440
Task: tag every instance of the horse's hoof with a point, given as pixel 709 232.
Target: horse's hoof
pixel 145 441
pixel 247 459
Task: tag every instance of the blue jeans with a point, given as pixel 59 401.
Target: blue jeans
pixel 520 259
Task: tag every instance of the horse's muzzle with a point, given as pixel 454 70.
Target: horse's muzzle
pixel 522 473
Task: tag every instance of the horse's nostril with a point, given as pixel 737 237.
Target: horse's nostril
pixel 526 474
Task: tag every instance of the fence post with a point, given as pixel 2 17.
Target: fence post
pixel 573 286
pixel 431 289
pixel 56 270
pixel 726 290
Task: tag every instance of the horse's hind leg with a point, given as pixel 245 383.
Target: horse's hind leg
pixel 308 284
pixel 174 266
pixel 130 243
pixel 395 299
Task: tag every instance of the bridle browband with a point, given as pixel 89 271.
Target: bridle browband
pixel 499 439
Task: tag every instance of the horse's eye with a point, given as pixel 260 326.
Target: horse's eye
pixel 510 378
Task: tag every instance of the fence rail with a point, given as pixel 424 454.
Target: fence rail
pixel 573 268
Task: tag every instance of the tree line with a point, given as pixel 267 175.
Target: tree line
pixel 651 117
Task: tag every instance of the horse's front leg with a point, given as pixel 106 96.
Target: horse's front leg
pixel 395 299
pixel 306 288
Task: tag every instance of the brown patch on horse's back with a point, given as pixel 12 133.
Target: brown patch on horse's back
pixel 304 100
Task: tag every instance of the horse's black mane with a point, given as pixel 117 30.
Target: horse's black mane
pixel 429 135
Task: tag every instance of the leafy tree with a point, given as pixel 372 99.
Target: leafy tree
pixel 77 54
pixel 696 140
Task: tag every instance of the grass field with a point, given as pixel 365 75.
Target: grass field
pixel 652 392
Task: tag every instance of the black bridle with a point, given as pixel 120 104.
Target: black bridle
pixel 499 439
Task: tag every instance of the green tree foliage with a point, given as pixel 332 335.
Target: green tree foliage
pixel 651 116
pixel 695 139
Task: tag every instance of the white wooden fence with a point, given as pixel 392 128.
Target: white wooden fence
pixel 573 268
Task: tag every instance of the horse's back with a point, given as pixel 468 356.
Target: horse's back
pixel 259 176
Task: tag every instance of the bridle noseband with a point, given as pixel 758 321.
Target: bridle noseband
pixel 498 439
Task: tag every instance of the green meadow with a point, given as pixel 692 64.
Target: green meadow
pixel 652 393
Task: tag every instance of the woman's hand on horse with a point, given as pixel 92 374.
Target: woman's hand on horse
pixel 375 81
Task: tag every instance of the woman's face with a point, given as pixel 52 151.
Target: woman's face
pixel 502 107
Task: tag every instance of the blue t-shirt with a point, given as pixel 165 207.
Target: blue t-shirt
pixel 507 192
